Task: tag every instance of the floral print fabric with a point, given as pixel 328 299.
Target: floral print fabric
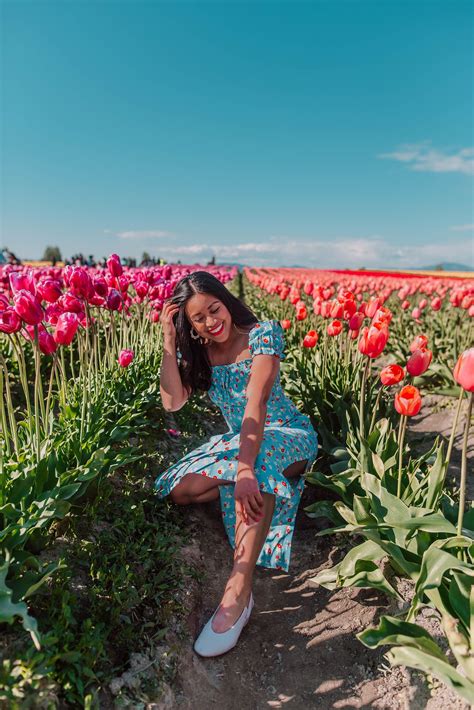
pixel 288 437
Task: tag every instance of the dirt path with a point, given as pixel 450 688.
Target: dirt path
pixel 299 649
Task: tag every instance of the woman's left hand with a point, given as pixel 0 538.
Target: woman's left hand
pixel 249 500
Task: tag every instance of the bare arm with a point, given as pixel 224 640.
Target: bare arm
pixel 262 376
pixel 173 393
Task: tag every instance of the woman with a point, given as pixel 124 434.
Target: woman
pixel 213 342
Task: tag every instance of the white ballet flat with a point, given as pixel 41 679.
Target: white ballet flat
pixel 210 643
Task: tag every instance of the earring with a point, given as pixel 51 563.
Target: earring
pixel 194 335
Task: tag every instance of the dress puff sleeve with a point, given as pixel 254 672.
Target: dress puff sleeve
pixel 266 338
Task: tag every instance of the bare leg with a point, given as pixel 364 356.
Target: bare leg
pixel 194 488
pixel 249 540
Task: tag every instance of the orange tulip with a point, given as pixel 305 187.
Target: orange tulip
pixel 408 401
pixel 464 370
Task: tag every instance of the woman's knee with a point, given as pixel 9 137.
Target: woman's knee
pixel 295 469
pixel 179 496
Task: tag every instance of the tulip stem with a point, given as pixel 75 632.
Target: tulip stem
pixel 362 400
pixel 376 408
pixel 401 437
pixel 3 422
pixel 462 491
pixel 454 427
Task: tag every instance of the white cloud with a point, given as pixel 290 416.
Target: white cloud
pixel 143 234
pixel 423 158
pixel 339 253
pixel 463 228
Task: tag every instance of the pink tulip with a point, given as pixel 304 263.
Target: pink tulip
pixel 406 305
pixel 114 266
pixel 142 288
pixel 22 281
pixel 66 327
pixel 125 358
pixel 416 313
pixel 49 290
pixel 373 306
pixel 10 321
pixel 46 342
pixel 70 303
pixel 419 362
pixel 28 307
pixel 80 282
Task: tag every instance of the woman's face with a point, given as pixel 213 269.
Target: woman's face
pixel 209 317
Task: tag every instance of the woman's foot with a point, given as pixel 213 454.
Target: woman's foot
pixel 233 603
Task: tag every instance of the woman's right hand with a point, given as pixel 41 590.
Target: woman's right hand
pixel 166 319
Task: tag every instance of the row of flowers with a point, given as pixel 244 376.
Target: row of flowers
pixel 361 383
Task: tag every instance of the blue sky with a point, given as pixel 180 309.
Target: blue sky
pixel 328 133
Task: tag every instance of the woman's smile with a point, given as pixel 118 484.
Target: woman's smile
pixel 217 329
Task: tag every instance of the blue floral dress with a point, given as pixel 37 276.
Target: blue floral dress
pixel 288 437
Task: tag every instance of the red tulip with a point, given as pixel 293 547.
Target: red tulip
pixel 406 305
pixel 125 358
pixel 10 321
pixel 114 266
pixel 66 327
pixel 356 321
pixel 285 324
pixel 114 299
pixel 408 401
pixel 436 303
pixel 419 362
pixel 310 339
pixel 28 307
pixel 464 370
pixel 100 286
pixel 373 339
pixel 419 343
pixel 301 314
pixel 334 328
pixel 391 375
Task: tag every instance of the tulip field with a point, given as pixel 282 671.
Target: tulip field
pixel 80 352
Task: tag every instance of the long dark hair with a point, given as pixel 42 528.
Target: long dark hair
pixel 194 366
